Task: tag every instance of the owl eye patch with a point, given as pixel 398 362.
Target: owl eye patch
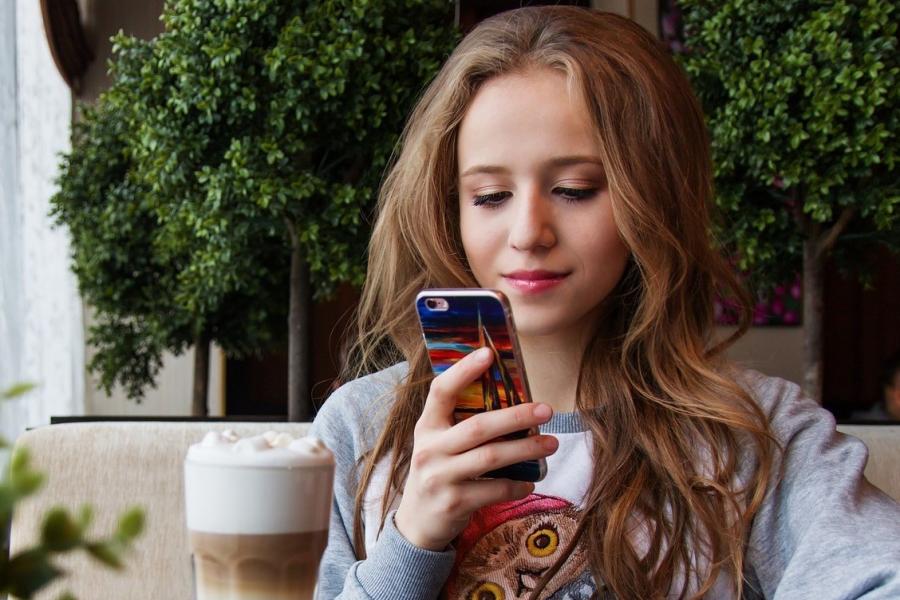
pixel 486 591
pixel 543 541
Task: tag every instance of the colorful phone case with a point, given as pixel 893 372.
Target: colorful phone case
pixel 471 319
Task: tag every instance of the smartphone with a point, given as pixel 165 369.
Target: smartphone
pixel 456 322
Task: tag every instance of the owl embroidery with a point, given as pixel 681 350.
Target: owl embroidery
pixel 506 549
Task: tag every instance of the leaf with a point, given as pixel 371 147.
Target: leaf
pixel 22 480
pixel 19 460
pixel 29 571
pixel 85 517
pixel 107 553
pixel 18 389
pixel 131 524
pixel 59 532
pixel 26 484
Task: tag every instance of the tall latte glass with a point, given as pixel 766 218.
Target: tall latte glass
pixel 257 515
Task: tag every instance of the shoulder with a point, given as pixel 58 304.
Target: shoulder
pixel 784 403
pixel 353 415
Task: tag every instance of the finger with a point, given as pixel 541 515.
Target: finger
pixel 446 387
pixel 484 492
pixel 485 427
pixel 492 456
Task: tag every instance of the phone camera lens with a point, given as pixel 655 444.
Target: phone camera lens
pixel 438 304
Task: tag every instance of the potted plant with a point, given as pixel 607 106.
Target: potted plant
pixel 803 108
pixel 227 175
pixel 28 571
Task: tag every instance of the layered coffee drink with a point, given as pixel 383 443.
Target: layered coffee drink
pixel 257 515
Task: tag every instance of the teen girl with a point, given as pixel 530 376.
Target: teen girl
pixel 560 157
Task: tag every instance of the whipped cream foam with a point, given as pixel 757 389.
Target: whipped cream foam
pixel 270 449
pixel 266 484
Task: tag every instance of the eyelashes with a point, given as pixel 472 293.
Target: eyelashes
pixel 572 195
pixel 490 200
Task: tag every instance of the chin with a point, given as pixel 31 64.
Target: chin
pixel 535 325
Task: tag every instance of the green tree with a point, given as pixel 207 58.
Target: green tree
pixel 127 269
pixel 802 103
pixel 254 135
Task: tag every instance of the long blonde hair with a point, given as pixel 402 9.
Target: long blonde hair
pixel 671 428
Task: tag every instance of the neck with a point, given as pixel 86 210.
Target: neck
pixel 552 363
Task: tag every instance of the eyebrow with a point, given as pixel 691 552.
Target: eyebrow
pixel 561 161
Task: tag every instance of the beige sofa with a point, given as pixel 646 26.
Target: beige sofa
pixel 116 465
pixel 112 466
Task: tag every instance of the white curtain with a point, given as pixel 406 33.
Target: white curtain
pixel 41 331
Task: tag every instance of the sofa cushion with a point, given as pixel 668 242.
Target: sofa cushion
pixel 883 441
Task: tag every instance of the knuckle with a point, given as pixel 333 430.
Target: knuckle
pixel 420 458
pixel 439 386
pixel 431 484
pixel 451 502
pixel 522 417
pixel 475 430
pixel 489 455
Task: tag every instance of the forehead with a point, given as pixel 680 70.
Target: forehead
pixel 525 116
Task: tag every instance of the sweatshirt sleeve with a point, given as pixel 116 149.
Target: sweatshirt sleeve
pixel 823 532
pixel 394 567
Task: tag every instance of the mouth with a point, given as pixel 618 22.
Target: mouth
pixel 534 282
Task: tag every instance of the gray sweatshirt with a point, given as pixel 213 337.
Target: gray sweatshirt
pixel 822 533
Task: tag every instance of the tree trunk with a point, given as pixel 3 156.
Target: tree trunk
pixel 813 288
pixel 816 247
pixel 201 375
pixel 299 405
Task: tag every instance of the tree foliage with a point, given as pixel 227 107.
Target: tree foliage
pixel 243 121
pixel 802 103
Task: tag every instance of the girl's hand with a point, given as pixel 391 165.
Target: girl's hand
pixel 441 492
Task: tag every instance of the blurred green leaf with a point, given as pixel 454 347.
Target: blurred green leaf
pixel 59 532
pixel 85 517
pixel 108 553
pixel 131 524
pixel 18 389
pixel 29 571
pixel 21 479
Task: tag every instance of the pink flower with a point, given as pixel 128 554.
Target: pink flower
pixel 790 317
pixel 795 291
pixel 777 307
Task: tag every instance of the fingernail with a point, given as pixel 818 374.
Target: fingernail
pixel 549 442
pixel 483 353
pixel 542 411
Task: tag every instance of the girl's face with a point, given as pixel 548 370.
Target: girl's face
pixel 535 215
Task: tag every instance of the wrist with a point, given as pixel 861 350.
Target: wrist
pixel 413 536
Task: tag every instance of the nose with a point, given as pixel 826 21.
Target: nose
pixel 532 224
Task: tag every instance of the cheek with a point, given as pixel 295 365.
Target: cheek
pixel 479 240
pixel 603 247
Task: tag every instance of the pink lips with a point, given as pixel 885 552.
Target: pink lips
pixel 534 282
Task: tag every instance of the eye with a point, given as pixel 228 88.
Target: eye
pixel 575 194
pixel 542 542
pixel 486 591
pixel 491 200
